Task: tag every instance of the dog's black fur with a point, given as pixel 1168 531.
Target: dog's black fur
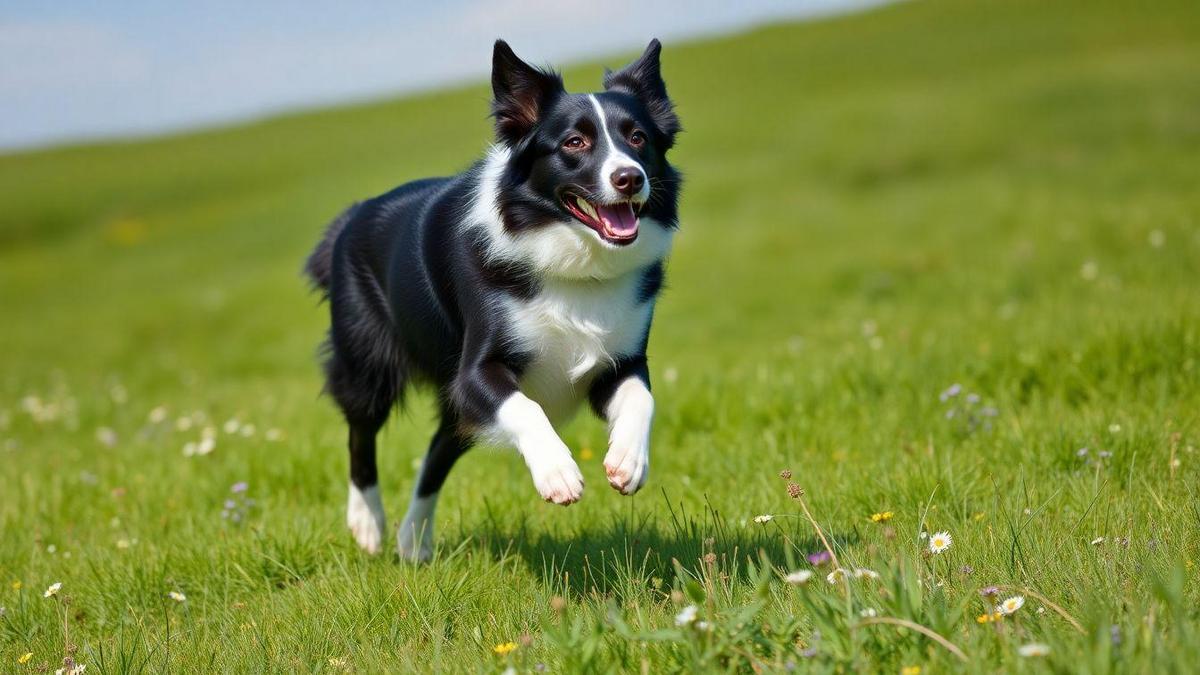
pixel 414 288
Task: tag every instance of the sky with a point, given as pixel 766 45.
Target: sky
pixel 73 70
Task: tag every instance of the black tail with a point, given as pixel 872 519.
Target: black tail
pixel 319 266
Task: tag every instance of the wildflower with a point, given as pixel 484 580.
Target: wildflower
pixel 799 577
pixel 206 446
pixel 25 658
pixel 231 426
pixel 53 590
pixel 586 453
pixel 1104 454
pixel 819 558
pixel 1097 541
pixel 988 618
pixel 910 670
pixel 157 415
pixel 786 474
pixel 1041 610
pixel 763 519
pixel 240 486
pixel 795 491
pixel 1034 649
pixel 1082 452
pixel 836 575
pixel 868 612
pixel 177 596
pixel 274 434
pixel 951 392
pixel 106 436
pixel 940 541
pixel 923 536
pixel 989 591
pixel 1114 634
pixel 1011 605
pixel 504 648
pixel 966 570
pixel 882 517
pixel 122 544
pixel 703 625
pixel 71 668
pixel 686 615
pixel 16 584
pixel 864 573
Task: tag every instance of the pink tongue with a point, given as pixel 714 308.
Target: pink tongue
pixel 619 219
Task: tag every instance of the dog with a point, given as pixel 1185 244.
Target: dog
pixel 516 290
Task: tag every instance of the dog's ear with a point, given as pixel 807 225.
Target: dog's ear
pixel 519 93
pixel 643 79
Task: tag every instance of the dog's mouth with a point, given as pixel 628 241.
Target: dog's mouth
pixel 616 223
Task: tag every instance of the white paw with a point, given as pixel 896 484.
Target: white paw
pixel 414 546
pixel 627 468
pixel 364 516
pixel 414 538
pixel 558 480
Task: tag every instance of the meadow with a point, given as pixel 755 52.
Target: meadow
pixel 937 262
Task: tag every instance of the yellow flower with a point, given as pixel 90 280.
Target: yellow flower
pixel 16 584
pixel 585 454
pixel 882 517
pixel 504 648
pixel 986 618
pixel 24 658
pixel 910 670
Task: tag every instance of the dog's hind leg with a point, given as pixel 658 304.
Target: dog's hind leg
pixel 366 398
pixel 415 535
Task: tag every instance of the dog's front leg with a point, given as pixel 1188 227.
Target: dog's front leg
pixel 520 422
pixel 623 398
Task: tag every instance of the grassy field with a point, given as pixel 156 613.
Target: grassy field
pixel 1001 196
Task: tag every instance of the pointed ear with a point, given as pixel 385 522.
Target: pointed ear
pixel 643 79
pixel 519 93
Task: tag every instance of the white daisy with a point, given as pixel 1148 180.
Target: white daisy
pixel 940 541
pixel 53 590
pixel 177 596
pixel 1034 649
pixel 1097 541
pixel 686 615
pixel 836 575
pixel 864 573
pixel 868 613
pixel 765 518
pixel 799 577
pixel 1011 605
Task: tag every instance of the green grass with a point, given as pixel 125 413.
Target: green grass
pixel 997 194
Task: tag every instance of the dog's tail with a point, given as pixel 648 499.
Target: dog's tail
pixel 319 266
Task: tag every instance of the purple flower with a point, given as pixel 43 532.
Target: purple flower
pixel 230 505
pixel 819 558
pixel 972 398
pixel 989 591
pixel 966 570
pixel 240 486
pixel 954 390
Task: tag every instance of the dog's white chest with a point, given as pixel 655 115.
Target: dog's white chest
pixel 573 329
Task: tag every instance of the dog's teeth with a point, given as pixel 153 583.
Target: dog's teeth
pixel 586 207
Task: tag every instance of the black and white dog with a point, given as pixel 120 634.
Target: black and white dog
pixel 516 289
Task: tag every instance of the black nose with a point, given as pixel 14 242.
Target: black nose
pixel 628 180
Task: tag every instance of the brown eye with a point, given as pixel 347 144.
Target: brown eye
pixel 637 139
pixel 575 143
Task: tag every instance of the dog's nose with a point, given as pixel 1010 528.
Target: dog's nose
pixel 628 180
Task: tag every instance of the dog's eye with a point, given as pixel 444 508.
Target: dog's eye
pixel 575 143
pixel 637 139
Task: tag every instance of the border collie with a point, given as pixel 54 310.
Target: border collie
pixel 516 289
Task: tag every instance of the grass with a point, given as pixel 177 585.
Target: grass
pixel 996 194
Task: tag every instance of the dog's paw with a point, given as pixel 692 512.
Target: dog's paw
pixel 558 481
pixel 627 468
pixel 364 516
pixel 415 547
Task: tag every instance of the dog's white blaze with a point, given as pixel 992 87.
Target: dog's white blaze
pixel 415 535
pixel 520 422
pixel 564 250
pixel 364 516
pixel 615 159
pixel 630 414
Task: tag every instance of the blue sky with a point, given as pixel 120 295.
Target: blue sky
pixel 74 70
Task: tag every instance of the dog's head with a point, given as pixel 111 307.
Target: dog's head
pixel 594 164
